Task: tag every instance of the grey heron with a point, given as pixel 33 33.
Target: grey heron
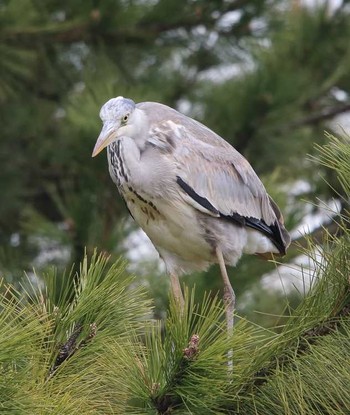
pixel 195 196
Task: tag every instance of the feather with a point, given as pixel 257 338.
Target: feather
pixel 214 177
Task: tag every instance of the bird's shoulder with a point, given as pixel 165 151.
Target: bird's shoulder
pixel 174 130
pixel 196 148
pixel 222 183
pixel 211 174
pixel 208 163
pixel 160 115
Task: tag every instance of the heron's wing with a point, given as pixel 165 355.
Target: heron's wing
pixel 216 179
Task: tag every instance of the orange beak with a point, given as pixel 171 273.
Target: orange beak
pixel 106 137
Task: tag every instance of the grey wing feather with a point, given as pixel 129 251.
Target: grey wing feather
pixel 213 170
pixel 230 185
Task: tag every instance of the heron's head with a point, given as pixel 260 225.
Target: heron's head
pixel 118 117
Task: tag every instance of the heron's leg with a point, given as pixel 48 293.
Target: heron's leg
pixel 229 295
pixel 176 290
pixel 230 303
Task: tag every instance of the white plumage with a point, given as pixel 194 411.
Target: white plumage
pixel 194 195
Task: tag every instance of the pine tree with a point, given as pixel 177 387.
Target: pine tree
pixel 268 75
pixel 103 353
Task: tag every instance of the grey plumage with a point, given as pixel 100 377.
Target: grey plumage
pixel 194 195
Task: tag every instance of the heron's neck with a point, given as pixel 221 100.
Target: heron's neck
pixel 140 130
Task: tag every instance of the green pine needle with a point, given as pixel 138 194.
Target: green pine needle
pixel 87 343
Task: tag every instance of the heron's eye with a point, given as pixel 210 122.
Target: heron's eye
pixel 125 118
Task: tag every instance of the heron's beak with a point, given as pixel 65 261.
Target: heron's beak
pixel 106 137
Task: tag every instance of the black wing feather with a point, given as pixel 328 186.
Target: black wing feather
pixel 273 232
pixel 195 196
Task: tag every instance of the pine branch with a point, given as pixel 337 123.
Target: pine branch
pixel 145 30
pixel 317 237
pixel 324 329
pixel 167 401
pixel 67 350
pixel 306 339
pixel 315 119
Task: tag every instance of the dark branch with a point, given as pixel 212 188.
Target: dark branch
pixel 315 119
pixel 306 339
pixel 192 349
pixel 68 348
pixel 71 346
pixel 323 329
pixel 93 28
pixel 168 401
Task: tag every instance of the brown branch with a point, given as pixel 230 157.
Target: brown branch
pixel 318 234
pixel 324 329
pixel 315 119
pixel 191 351
pixel 70 347
pixel 305 340
pixel 167 401
pixel 296 248
pixel 93 28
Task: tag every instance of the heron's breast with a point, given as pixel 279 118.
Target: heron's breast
pixel 169 227
pixel 142 208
